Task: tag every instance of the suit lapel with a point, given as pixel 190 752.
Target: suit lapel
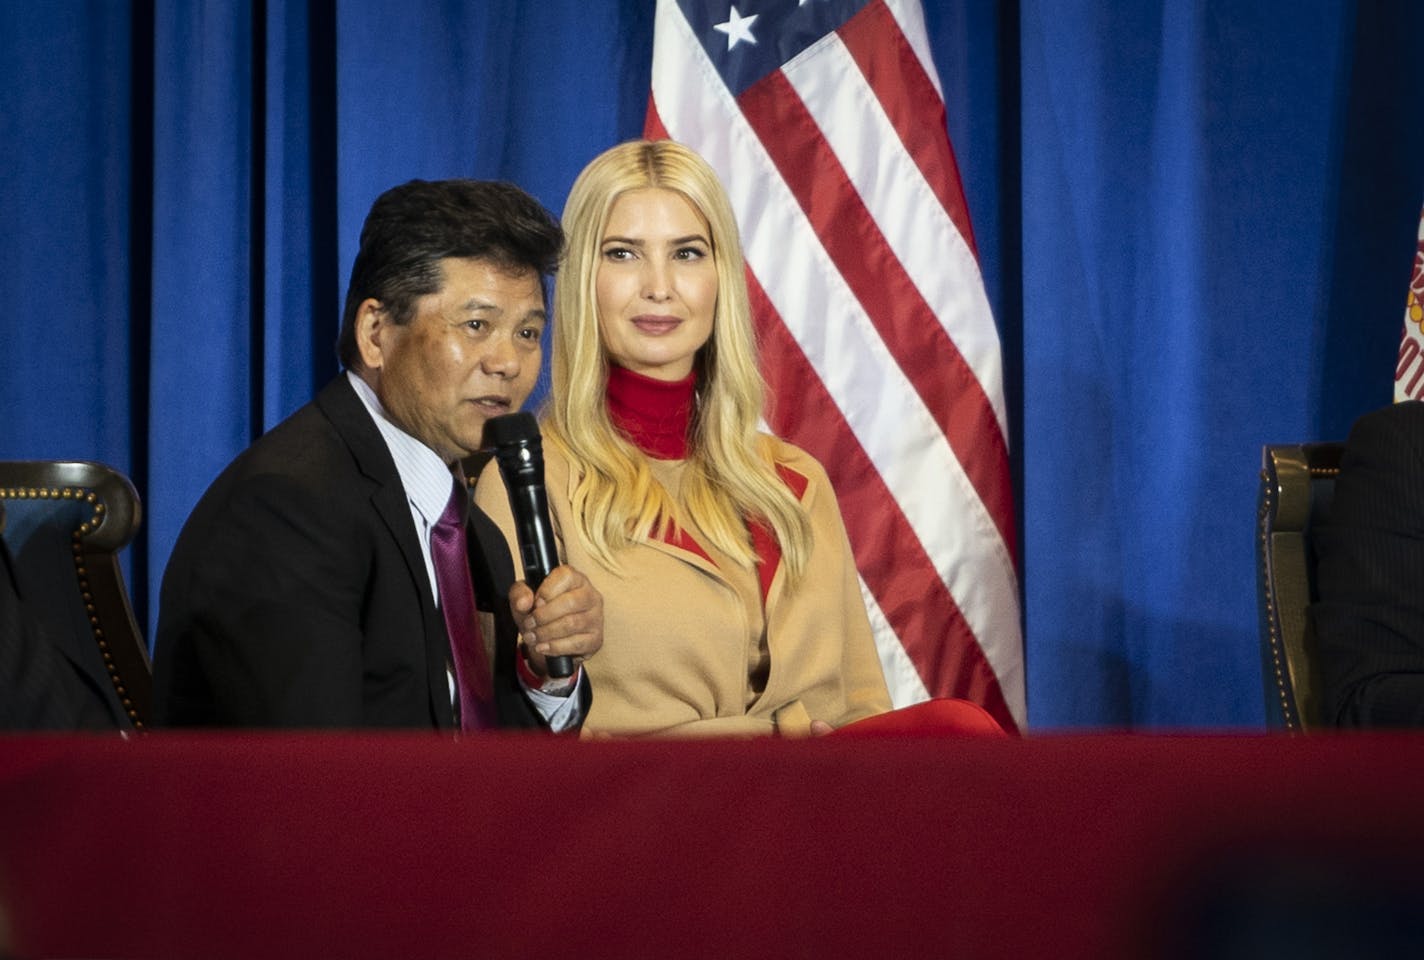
pixel 388 499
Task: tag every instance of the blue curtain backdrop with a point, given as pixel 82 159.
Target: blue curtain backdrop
pixel 1196 220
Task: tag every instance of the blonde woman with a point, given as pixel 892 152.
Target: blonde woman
pixel 731 601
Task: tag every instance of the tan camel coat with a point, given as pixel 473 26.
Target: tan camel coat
pixel 689 647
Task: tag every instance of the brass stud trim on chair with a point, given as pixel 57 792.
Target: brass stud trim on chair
pixel 1288 711
pixel 86 528
pixel 1319 465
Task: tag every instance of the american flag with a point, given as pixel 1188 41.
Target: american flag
pixel 825 121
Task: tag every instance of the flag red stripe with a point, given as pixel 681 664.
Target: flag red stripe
pixel 912 103
pixel 889 556
pixel 653 128
pixel 915 337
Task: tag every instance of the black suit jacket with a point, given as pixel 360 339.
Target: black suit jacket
pixel 1369 620
pixel 44 685
pixel 297 595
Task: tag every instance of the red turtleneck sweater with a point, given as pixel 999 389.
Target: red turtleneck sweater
pixel 654 414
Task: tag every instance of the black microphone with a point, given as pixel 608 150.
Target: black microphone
pixel 519 450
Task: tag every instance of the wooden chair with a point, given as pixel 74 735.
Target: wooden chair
pixel 1297 484
pixel 64 525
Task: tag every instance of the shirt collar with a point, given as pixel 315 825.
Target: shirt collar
pixel 424 475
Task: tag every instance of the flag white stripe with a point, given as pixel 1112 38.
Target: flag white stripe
pixel 856 364
pixel 901 677
pixel 929 246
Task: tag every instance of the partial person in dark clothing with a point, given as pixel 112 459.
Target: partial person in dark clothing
pixel 40 687
pixel 1369 620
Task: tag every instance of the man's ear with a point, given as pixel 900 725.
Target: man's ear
pixel 372 325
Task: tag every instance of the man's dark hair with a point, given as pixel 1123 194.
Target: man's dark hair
pixel 414 226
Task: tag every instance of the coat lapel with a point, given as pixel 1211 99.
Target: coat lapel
pixel 388 499
pixel 679 543
pixel 768 551
pixel 682 545
pixel 676 543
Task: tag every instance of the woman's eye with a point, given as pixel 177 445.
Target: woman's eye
pixel 618 253
pixel 690 253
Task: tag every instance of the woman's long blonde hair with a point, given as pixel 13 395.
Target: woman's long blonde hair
pixel 730 475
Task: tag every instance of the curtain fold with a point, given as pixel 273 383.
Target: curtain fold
pixel 64 181
pixel 205 332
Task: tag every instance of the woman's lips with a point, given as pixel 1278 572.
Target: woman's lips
pixel 656 326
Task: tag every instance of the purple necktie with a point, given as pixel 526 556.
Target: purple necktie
pixel 473 682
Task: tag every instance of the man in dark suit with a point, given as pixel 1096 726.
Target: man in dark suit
pixel 303 588
pixel 1369 621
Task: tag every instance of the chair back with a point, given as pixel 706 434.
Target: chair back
pixel 1297 484
pixel 64 525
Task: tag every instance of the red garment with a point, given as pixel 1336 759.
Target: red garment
pixel 653 414
pixel 933 718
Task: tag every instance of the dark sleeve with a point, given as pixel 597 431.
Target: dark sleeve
pixel 261 611
pixel 1369 620
pixel 41 686
pixel 31 669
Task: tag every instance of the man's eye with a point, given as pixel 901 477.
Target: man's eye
pixel 474 324
pixel 531 333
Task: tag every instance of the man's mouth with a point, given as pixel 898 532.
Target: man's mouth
pixel 492 404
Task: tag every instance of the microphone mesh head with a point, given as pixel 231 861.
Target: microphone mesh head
pixel 512 428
